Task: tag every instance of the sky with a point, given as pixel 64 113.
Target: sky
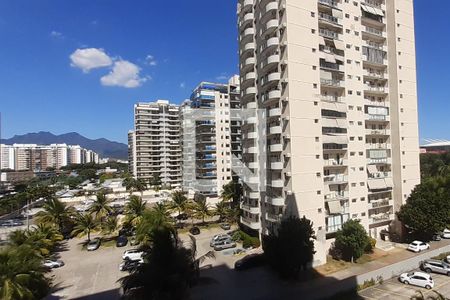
pixel 81 65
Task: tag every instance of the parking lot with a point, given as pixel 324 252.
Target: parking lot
pixel 394 289
pixel 88 274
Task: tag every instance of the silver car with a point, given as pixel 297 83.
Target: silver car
pixel 226 244
pixel 435 266
pixel 218 239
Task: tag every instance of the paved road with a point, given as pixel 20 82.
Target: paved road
pixel 393 289
pixel 88 274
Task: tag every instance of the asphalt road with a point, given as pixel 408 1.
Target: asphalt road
pixel 88 274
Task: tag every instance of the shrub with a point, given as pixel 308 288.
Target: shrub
pixel 352 240
pixel 371 245
pixel 247 240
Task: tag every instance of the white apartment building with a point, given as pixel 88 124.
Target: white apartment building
pixel 23 157
pixel 7 157
pixel 211 136
pixel 156 142
pixel 337 79
pixel 131 151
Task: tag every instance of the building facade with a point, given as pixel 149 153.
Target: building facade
pixel 337 81
pixel 156 149
pixel 211 136
pixel 32 157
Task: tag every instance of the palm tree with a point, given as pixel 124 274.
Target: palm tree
pixel 134 210
pixel 140 186
pixel 22 274
pixel 201 209
pixel 222 210
pixel 101 207
pixel 179 202
pixel 231 191
pixel 154 219
pixel 85 224
pixel 43 238
pixel 55 212
pixel 234 215
pixel 110 225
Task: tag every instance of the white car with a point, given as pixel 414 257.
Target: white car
pixel 417 278
pixel 218 239
pixel 53 263
pixel 446 234
pixel 133 254
pixel 418 246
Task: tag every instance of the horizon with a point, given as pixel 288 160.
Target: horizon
pixel 70 67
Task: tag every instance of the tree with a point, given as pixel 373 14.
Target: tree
pixel 101 207
pixel 222 210
pixel 110 225
pixel 55 212
pixel 134 210
pixel 291 248
pixel 232 191
pixel 84 225
pixel 427 209
pixel 352 240
pixel 22 274
pixel 169 269
pixel 156 218
pixel 201 209
pixel 155 181
pixel 179 202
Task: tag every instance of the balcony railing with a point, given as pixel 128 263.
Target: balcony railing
pixel 381 203
pixel 329 18
pixel 329 2
pixel 328 33
pixel 341 195
pixel 332 98
pixel 373 31
pixel 335 178
pixel 331 66
pixel 332 82
pixel 373 3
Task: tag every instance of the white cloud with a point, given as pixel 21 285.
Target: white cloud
pixel 90 58
pixel 150 60
pixel 56 34
pixel 222 77
pixel 124 74
pixel 182 85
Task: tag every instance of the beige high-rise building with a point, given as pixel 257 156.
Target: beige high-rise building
pixel 156 142
pixel 211 136
pixel 337 79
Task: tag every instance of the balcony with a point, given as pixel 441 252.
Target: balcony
pixel 271 43
pixel 378 118
pixel 336 195
pixel 271 96
pixel 378 146
pixel 271 26
pixel 374 33
pixel 272 77
pixel 335 162
pixel 277 183
pixel 379 175
pixel 333 83
pixel 382 132
pixel 276 165
pixel 248 18
pixel 329 19
pixel 251 135
pixel 247 4
pixel 250 150
pixel 275 112
pixel 376 89
pixel 251 195
pixel 276 148
pixel 253 165
pixel 248 47
pixel 381 160
pixel 376 74
pixel 335 179
pixel 275 201
pixel 248 62
pixel 271 61
pixel 274 218
pixel 331 98
pixel 250 90
pixel 331 3
pixel 383 217
pixel 250 209
pixel 331 66
pixel 275 129
pixel 328 34
pixel 251 223
pixel 373 3
pixel 271 7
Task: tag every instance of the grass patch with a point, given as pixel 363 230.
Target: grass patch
pixel 332 266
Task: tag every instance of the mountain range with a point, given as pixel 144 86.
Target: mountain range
pixel 105 148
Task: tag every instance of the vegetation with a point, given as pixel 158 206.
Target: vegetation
pixel 291 248
pixel 434 165
pixel 85 224
pixel 179 202
pixel 201 209
pixel 134 210
pixel 420 296
pixel 101 206
pixel 232 191
pixel 55 212
pixel 351 241
pixel 247 240
pixel 426 210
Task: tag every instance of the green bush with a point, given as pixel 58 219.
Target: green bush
pixel 247 240
pixel 370 245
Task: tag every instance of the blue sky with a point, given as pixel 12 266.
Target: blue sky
pixel 145 50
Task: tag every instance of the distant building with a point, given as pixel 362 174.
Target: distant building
pixel 155 142
pixel 33 157
pixel 438 146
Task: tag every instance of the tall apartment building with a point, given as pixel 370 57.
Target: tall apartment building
pixel 156 143
pixel 337 80
pixel 131 151
pixel 32 157
pixel 211 136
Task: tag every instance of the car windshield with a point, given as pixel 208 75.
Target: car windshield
pixel 410 274
pixel 415 243
pixel 93 242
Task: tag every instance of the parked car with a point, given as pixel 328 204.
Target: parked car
pixel 446 234
pixel 182 217
pixel 436 266
pixel 436 237
pixel 250 261
pixel 121 241
pixel 53 263
pixel 133 254
pixel 194 230
pixel 417 278
pixel 93 244
pixel 226 244
pixel 129 265
pixel 225 226
pixel 12 223
pixel 418 246
pixel 219 238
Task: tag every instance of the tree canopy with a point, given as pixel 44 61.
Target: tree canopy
pixel 352 240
